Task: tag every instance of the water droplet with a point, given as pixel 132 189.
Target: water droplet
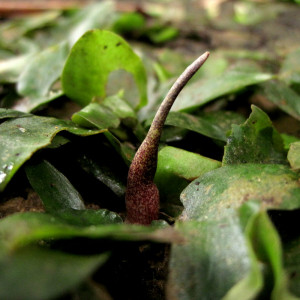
pixel 22 129
pixel 2 176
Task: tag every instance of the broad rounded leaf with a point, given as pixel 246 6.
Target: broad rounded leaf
pixel 95 55
pixel 219 192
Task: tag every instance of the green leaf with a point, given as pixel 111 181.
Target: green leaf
pixel 212 259
pixel 288 140
pixel 95 55
pixel 255 141
pixel 17 27
pixel 267 247
pixel 37 273
pixel 6 113
pixel 54 189
pixel 22 229
pixel 283 96
pixel 231 81
pixel 129 22
pixel 95 115
pixel 88 217
pixel 41 72
pixel 292 264
pixel 22 137
pixel 290 69
pixel 214 125
pixel 175 169
pixel 109 172
pixel 294 155
pixel 218 193
pixel 252 283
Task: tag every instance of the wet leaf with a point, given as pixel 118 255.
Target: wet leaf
pixel 294 155
pixel 283 96
pixel 218 193
pixel 54 189
pixel 96 54
pixel 200 93
pixel 22 137
pixel 37 78
pixel 255 141
pixel 38 273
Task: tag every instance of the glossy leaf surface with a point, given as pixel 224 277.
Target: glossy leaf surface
pixel 95 55
pixel 198 94
pixel 55 190
pixel 22 137
pixel 37 78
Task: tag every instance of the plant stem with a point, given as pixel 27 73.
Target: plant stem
pixel 142 197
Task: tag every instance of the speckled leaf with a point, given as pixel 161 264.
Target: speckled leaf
pixel 197 94
pixel 21 137
pixel 36 273
pixel 54 189
pixel 212 259
pixel 255 141
pixel 41 72
pixel 95 55
pixel 175 169
pixel 283 96
pixel 219 192
pixel 294 155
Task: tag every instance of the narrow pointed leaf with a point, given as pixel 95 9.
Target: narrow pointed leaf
pixel 54 189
